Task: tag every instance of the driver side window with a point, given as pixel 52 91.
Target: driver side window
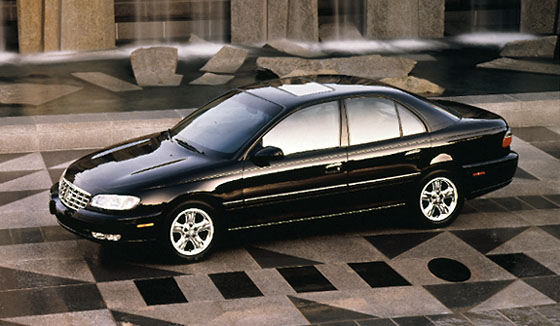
pixel 312 128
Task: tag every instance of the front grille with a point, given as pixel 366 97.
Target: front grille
pixel 72 196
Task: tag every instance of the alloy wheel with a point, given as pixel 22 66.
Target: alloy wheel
pixel 438 199
pixel 192 231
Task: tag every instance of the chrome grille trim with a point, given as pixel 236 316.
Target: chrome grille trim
pixel 72 196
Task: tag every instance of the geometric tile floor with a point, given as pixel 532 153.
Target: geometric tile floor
pixel 498 264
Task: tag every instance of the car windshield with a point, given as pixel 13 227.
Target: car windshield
pixel 224 125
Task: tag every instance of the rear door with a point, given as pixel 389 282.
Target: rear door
pixel 386 145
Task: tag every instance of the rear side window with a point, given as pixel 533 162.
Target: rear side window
pixel 371 119
pixel 410 123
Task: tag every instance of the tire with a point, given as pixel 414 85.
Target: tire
pixel 190 231
pixel 438 200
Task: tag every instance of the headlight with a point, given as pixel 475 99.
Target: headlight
pixel 115 202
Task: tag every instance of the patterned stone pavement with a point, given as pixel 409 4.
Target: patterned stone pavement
pixel 498 264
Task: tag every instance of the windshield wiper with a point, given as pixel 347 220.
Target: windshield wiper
pixel 188 146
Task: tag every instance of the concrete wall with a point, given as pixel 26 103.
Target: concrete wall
pixel 540 16
pixel 51 25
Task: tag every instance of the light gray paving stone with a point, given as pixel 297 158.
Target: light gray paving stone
pixel 450 320
pixel 342 277
pixel 517 294
pixel 108 82
pixel 38 251
pixel 192 313
pixel 487 220
pixel 198 288
pixel 541 217
pixel 328 249
pixel 227 61
pixel 525 317
pixel 482 269
pixel 31 161
pixel 38 202
pixel 442 245
pixel 33 94
pixel 85 318
pixel 211 79
pixel 270 282
pixel 549 258
pixel 38 180
pixel 75 269
pixel 26 219
pixel 121 295
pixel 490 317
pixel 533 239
pixel 535 161
pixel 269 311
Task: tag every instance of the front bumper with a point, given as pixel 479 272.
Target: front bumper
pixel 484 177
pixel 83 222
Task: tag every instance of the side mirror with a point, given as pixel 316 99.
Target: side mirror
pixel 267 154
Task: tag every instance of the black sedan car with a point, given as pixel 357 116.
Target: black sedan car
pixel 284 151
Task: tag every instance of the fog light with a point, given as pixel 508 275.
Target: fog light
pixel 103 236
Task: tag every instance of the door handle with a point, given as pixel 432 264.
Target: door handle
pixel 333 168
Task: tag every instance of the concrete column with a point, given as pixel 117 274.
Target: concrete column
pixel 51 27
pixel 278 13
pixel 431 18
pixel 303 20
pixel 87 25
pixel 387 19
pixel 539 16
pixel 30 26
pixel 248 21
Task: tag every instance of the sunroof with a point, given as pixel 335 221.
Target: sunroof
pixel 305 89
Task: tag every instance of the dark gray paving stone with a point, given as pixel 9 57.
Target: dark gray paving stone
pixel 55 174
pixel 160 291
pixel 50 300
pixel 235 285
pixel 130 319
pixel 464 296
pixel 553 230
pixel 392 245
pixel 306 279
pixel 26 235
pixel 550 147
pixel 547 285
pixel 450 320
pixel 554 198
pixel 468 209
pixel 532 134
pixel 413 321
pixel 526 316
pixel 5 237
pixel 13 279
pixel 12 175
pixel 378 274
pixel 522 174
pixel 520 265
pixel 7 323
pixel 485 240
pixel 485 318
pixel 538 202
pixel 512 204
pixel 486 205
pixel 271 259
pixel 109 270
pixel 56 233
pixel 319 313
pixel 550 312
pixel 9 157
pixel 12 196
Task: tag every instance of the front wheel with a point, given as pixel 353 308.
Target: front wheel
pixel 439 200
pixel 190 231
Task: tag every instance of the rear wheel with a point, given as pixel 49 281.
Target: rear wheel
pixel 438 200
pixel 191 231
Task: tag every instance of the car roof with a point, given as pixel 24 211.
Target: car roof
pixel 295 92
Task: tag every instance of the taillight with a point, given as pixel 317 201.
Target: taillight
pixel 508 137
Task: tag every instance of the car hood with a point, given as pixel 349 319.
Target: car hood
pixel 136 165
